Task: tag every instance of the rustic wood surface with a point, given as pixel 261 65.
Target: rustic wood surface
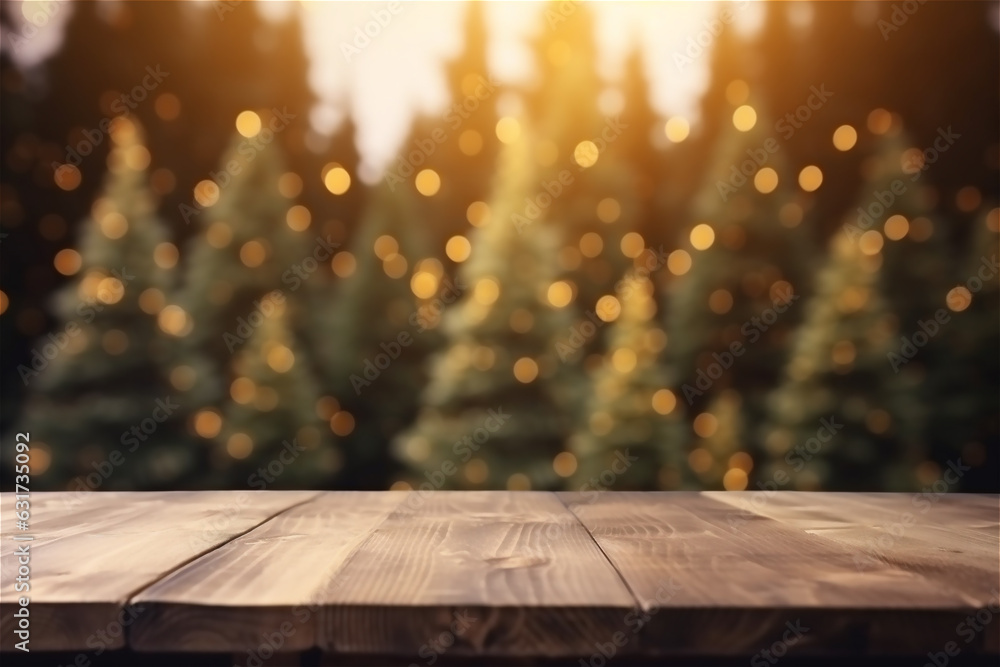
pixel 509 574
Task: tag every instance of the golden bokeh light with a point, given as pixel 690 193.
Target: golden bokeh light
pixel 664 401
pixel 559 294
pixel 110 290
pixel 4 302
pixel 428 182
pixel 623 360
pixel 280 358
pixel 958 298
pixel 239 446
pixel 183 377
pixel 336 179
pixel 525 370
pixel 765 180
pixel 207 423
pixel 67 177
pixel 242 390
pixel 478 213
pixel 702 236
pixel 470 142
pixel 564 464
pixel 700 460
pixel 342 423
pixel 741 461
pixel 896 227
pixel 679 262
pixel 720 301
pixel 248 124
pixel 206 193
pixel 219 234
pixel 173 320
pixel 67 261
pixel 343 264
pixel 253 253
pixel 633 245
pixel 167 106
pixel 591 244
pixel 871 242
pixel 810 178
pixel 585 154
pixel 113 225
pixel 423 284
pixel 166 255
pixel 508 130
pixel 298 218
pixel 744 118
pixel 458 248
pixel 845 137
pixel 290 185
pixel 385 246
pixel 608 308
pixel 735 480
pixel 705 425
pixel 608 210
pixel 843 353
pixel 677 129
pixel 486 291
pixel 395 265
pixel 879 121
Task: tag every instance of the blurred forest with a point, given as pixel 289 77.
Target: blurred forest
pixel 564 298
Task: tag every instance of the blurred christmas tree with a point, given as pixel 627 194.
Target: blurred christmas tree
pixel 253 240
pixel 497 411
pixel 629 439
pixel 102 408
pixel 378 329
pixel 717 458
pixel 961 388
pixel 744 266
pixel 270 433
pixel 836 416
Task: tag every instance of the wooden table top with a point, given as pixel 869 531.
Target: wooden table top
pixel 510 574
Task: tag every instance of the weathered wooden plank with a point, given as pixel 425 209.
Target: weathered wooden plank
pixel 89 557
pixel 949 539
pixel 740 576
pixel 259 590
pixel 475 573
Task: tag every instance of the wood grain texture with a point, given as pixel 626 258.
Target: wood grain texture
pixel 262 587
pixel 488 573
pixel 92 551
pixel 741 575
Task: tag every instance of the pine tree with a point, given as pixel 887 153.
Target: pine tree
pixel 630 411
pixel 497 410
pixel 271 435
pixel 379 327
pixel 256 250
pixel 102 386
pixel 836 417
pixel 251 240
pixel 731 313
pixel 961 386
